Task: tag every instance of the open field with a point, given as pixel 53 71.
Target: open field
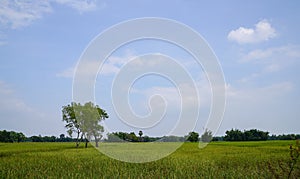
pixel 268 159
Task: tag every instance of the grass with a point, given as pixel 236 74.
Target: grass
pixel 268 159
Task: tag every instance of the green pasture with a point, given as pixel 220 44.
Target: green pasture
pixel 269 159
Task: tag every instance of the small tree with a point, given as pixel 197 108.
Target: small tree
pixel 140 134
pixel 193 137
pixel 206 136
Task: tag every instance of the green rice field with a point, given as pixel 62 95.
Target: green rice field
pixel 268 159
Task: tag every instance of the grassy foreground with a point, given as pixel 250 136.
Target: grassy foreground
pixel 268 159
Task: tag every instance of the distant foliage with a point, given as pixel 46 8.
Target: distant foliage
pixel 40 138
pixel 232 135
pixel 11 136
pixel 172 139
pixel 250 135
pixel 285 137
pixel 218 138
pixel 129 137
pixel 193 137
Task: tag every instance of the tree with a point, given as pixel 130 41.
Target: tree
pixel 193 137
pixel 91 115
pixel 84 121
pixel 132 137
pixel 140 134
pixel 20 137
pixel 234 135
pixel 11 136
pixel 247 135
pixel 206 136
pixel 72 123
pixel 62 137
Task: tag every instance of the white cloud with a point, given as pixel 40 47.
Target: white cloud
pixel 80 5
pixel 20 13
pixel 263 31
pixel 67 73
pixel 16 14
pixel 172 94
pixel 259 93
pixel 274 59
pixel 271 60
pixel 111 66
pixel 284 53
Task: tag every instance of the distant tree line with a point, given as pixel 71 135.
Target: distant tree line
pixel 40 138
pixel 253 135
pixel 231 135
pixel 132 137
pixel 12 136
pixel 129 137
pixel 284 137
pixel 247 135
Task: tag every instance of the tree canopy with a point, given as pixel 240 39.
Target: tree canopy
pixel 84 121
pixel 193 137
pixel 247 135
pixel 11 136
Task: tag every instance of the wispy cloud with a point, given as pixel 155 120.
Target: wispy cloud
pixel 16 14
pixel 271 60
pixel 80 5
pixel 10 102
pixel 16 114
pixel 275 58
pixel 265 93
pixel 263 31
pixel 173 97
pixel 111 66
pixel 20 13
pixel 283 53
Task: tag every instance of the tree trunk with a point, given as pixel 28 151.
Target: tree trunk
pixel 97 141
pixel 86 142
pixel 77 140
pixel 85 139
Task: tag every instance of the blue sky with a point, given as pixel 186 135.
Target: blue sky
pixel 256 42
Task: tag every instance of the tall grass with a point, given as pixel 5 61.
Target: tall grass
pixel 268 159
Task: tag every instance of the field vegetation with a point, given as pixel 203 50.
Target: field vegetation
pixel 259 159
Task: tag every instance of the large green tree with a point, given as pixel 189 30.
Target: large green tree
pixel 193 137
pixel 84 120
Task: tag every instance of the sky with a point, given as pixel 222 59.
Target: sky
pixel 257 44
